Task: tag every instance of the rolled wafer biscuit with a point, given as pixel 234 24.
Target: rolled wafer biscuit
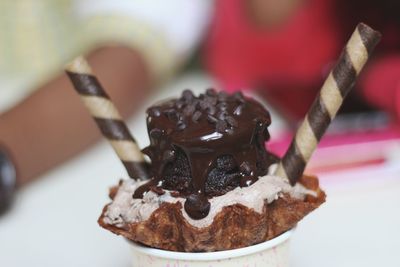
pixel 336 87
pixel 107 117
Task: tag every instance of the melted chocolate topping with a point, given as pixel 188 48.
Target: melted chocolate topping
pixel 205 146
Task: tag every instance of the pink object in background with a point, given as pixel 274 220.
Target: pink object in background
pixel 290 62
pixel 346 150
pixel 382 84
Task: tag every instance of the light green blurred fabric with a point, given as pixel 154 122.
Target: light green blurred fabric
pixel 37 37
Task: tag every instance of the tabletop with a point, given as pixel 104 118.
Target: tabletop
pixel 53 222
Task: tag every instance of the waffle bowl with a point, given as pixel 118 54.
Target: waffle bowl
pixel 236 226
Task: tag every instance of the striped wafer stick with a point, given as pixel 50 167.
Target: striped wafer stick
pixel 107 117
pixel 338 84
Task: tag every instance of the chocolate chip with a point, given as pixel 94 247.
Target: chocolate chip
pixel 203 104
pixel 197 206
pixel 212 119
pixel 231 121
pixel 188 110
pixel 155 133
pixel 171 114
pixel 245 168
pixel 239 97
pixel 222 114
pixel 181 125
pixel 211 100
pixel 196 116
pixel 169 110
pixel 222 105
pixel 155 112
pixel 238 110
pixel 196 103
pixel 211 92
pixel 187 95
pixel 221 126
pixel 222 96
pixel 211 110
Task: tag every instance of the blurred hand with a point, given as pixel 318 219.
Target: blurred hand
pixel 51 125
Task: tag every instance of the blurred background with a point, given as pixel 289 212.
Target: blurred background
pixel 278 51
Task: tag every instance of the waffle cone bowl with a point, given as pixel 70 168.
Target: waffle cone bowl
pixel 236 226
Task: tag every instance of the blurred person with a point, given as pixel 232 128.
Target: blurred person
pixel 285 49
pixel 131 45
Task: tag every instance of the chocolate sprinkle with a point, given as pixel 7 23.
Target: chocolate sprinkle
pixel 196 116
pixel 211 92
pixel 212 119
pixel 155 112
pixel 211 110
pixel 187 95
pixel 155 133
pixel 222 96
pixel 245 168
pixel 222 106
pixel 238 110
pixel 189 110
pixel 239 97
pixel 222 114
pixel 231 121
pixel 221 126
pixel 181 125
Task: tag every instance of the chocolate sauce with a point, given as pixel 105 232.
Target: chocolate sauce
pixel 204 129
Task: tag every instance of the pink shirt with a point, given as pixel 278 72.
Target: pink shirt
pixel 290 64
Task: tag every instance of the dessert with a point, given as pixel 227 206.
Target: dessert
pixel 212 185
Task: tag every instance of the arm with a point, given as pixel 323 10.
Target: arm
pixel 52 125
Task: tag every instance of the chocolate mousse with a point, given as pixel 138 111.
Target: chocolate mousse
pixel 204 146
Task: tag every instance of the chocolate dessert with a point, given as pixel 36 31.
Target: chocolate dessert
pixel 205 146
pixel 213 185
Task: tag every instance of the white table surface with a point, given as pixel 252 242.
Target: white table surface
pixel 53 222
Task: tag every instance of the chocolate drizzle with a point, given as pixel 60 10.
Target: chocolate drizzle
pixel 205 146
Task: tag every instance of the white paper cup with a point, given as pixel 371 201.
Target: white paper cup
pixel 272 253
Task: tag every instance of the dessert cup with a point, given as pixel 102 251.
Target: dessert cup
pixel 271 253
